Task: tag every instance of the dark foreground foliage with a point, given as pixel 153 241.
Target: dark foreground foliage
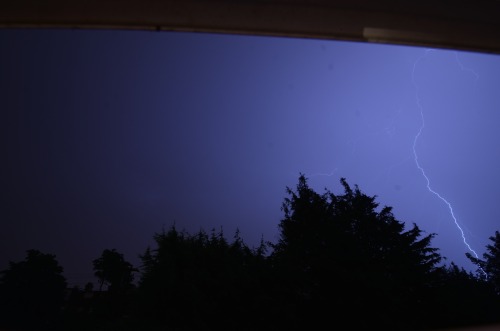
pixel 341 260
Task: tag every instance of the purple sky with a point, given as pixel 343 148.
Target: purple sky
pixel 109 136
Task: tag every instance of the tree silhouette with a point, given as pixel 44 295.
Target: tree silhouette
pixel 341 253
pixel 463 299
pixel 490 264
pixel 113 308
pixel 32 292
pixel 202 281
pixel 112 269
pixel 340 259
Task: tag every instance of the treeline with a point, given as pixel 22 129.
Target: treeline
pixel 341 261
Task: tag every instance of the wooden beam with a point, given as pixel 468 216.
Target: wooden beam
pixel 461 25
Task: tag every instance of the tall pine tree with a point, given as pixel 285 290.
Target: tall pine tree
pixel 343 257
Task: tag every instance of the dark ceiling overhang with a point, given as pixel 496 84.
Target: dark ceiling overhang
pixel 462 25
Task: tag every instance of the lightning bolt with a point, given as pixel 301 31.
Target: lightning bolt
pixel 415 155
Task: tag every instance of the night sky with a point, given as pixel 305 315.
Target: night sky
pixel 110 136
